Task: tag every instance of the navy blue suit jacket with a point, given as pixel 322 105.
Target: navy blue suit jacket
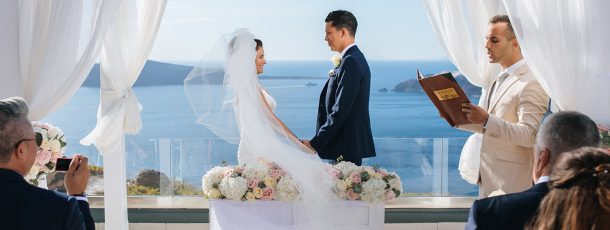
pixel 510 211
pixel 28 207
pixel 343 125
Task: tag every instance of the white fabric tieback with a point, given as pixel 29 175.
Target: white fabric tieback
pixel 133 120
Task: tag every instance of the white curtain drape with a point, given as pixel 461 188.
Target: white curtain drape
pixel 566 46
pixel 125 51
pixel 53 59
pixel 461 26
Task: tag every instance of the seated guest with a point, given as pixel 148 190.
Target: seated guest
pixel 579 196
pixel 28 207
pixel 561 132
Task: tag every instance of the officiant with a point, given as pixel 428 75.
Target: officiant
pixel 509 117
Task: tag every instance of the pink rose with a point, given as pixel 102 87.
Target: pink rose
pixel 276 174
pixel 334 173
pixel 252 183
pixel 356 178
pixel 238 170
pixel 54 157
pixel 44 169
pixel 268 193
pixel 352 195
pixel 43 157
pixel 230 172
pixel 390 195
pixel 383 172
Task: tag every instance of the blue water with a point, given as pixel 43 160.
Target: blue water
pixel 396 118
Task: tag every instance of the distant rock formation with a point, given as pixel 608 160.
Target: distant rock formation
pixel 153 73
pixel 161 73
pixel 413 86
pixel 383 90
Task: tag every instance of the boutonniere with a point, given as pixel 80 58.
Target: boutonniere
pixel 336 60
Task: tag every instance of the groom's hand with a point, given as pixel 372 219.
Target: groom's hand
pixel 306 143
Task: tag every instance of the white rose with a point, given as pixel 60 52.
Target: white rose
pixel 373 190
pixel 53 133
pixel 233 188
pixel 46 145
pixel 214 194
pixel 286 190
pixel 212 177
pixel 55 146
pixel 336 60
pixel 341 185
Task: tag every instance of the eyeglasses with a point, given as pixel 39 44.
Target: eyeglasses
pixel 37 139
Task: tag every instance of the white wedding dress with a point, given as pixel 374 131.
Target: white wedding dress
pixel 235 110
pixel 243 155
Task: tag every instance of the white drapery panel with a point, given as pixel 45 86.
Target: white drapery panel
pixel 125 51
pixel 461 27
pixel 566 46
pixel 53 63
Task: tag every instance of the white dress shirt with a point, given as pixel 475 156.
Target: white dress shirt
pixel 347 48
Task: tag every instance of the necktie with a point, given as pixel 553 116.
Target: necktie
pixel 501 78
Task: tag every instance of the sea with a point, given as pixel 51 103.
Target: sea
pixel 410 136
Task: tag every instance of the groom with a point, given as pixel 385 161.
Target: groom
pixel 343 129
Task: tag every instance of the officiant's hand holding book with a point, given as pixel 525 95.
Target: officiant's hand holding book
pixel 448 97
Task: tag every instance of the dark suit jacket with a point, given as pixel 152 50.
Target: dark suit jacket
pixel 343 126
pixel 510 211
pixel 28 207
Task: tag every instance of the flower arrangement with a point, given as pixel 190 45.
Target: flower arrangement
pixel 258 180
pixel 52 144
pixel 366 183
pixel 263 180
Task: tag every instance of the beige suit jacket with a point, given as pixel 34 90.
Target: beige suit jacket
pixel 515 113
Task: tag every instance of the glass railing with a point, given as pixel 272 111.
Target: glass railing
pixel 428 167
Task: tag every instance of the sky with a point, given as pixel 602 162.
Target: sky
pixel 294 29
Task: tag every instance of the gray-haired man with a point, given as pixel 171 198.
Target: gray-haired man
pixel 560 132
pixel 28 207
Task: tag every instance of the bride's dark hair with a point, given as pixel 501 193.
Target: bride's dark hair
pixel 259 43
pixel 579 196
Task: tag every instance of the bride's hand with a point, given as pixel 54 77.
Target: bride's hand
pixel 308 145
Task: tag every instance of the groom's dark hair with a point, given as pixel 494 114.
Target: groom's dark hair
pixel 343 19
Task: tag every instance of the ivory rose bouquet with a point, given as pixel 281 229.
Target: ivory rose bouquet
pixel 52 144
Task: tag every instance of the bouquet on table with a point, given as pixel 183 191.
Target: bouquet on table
pixel 366 183
pixel 52 144
pixel 264 180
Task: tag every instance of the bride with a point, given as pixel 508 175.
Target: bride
pixel 242 107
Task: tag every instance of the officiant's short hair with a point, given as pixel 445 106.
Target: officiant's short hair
pixel 13 111
pixel 343 19
pixel 503 18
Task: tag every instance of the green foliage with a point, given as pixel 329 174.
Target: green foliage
pixel 186 189
pixel 96 170
pixel 152 179
pixel 134 190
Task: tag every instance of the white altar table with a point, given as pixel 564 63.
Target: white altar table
pixel 254 215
